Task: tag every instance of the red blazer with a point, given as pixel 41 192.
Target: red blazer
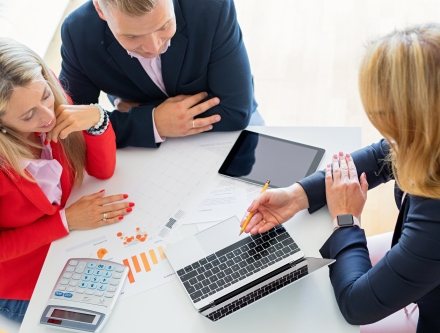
pixel 29 222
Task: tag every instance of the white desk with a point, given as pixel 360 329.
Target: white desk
pixel 305 306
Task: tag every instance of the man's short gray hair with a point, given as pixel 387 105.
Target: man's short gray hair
pixel 130 7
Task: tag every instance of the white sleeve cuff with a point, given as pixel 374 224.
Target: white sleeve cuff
pixel 157 137
pixel 64 219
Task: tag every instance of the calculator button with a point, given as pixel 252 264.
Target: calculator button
pixel 89 292
pixel 61 288
pixel 73 263
pixel 98 273
pixel 80 291
pixel 83 285
pixel 88 271
pixel 104 280
pixel 101 300
pixel 70 289
pixel 110 267
pixel 67 275
pixel 70 269
pixel 95 279
pixel 107 274
pixel 109 295
pixel 91 265
pixel 98 293
pixel 64 282
pixel 114 282
pixel 86 278
pixel 100 266
pixel 112 289
pixel 120 269
pixel 76 276
pixel 117 275
pixel 102 287
pixel 73 283
pixel 92 285
pixel 81 267
pixel 87 298
pixel 68 295
pixel 58 293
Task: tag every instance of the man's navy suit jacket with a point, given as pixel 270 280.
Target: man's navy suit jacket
pixel 409 272
pixel 207 54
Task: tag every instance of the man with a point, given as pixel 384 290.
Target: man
pixel 171 67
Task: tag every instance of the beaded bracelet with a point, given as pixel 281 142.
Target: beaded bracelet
pixel 102 124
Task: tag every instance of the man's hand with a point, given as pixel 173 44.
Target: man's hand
pixel 175 116
pixel 124 106
pixel 274 207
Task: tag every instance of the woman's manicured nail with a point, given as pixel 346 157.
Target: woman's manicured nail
pixel 125 196
pixel 335 156
pixel 120 217
pixel 131 204
pixel 46 142
pixel 341 153
pixel 101 191
pixel 128 210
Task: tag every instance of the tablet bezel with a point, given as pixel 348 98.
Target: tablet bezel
pixel 241 138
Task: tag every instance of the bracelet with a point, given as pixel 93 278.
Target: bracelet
pixel 102 124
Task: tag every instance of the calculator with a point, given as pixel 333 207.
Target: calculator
pixel 84 295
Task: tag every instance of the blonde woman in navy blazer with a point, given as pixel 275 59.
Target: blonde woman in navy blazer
pixel 399 83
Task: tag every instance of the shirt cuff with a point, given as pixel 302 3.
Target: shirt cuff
pixel 157 137
pixel 64 219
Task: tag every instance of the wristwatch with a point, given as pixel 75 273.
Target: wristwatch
pixel 345 220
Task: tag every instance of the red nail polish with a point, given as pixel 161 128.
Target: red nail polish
pixel 128 210
pixel 101 191
pixel 125 196
pixel 38 133
pixel 131 204
pixel 45 142
pixel 120 217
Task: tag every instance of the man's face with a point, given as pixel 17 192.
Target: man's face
pixel 145 35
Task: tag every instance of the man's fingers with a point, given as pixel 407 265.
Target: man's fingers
pixel 204 122
pixel 202 107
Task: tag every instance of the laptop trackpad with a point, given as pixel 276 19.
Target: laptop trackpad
pixel 220 236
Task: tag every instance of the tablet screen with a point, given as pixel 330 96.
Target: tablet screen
pixel 257 157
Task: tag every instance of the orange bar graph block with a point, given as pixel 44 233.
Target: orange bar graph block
pixel 145 261
pixel 130 274
pixel 161 253
pixel 136 265
pixel 153 257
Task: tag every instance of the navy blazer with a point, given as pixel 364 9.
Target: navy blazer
pixel 409 272
pixel 207 53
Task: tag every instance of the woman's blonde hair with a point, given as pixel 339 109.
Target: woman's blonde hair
pixel 399 82
pixel 20 66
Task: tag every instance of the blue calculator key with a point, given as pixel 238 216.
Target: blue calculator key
pixel 68 295
pixel 83 285
pixel 98 273
pixel 104 280
pixel 100 266
pixel 86 278
pixel 110 267
pixel 89 271
pixel 107 274
pixel 92 285
pixel 91 265
pixel 58 293
pixel 95 279
pixel 101 287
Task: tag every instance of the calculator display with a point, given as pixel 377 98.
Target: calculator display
pixel 75 316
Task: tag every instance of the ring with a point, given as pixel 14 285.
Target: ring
pixel 264 221
pixel 193 124
pixel 105 217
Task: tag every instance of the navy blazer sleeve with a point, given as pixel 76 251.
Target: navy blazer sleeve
pixel 409 271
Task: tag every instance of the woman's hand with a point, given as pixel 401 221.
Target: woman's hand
pixel 274 207
pixel 124 106
pixel 88 212
pixel 345 194
pixel 73 118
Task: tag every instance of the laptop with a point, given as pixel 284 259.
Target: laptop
pixel 222 272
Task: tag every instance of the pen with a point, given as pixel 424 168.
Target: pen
pixel 251 213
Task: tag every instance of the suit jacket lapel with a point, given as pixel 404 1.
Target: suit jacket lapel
pixel 172 59
pixel 133 68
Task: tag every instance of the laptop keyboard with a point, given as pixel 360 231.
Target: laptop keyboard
pixel 235 262
pixel 257 294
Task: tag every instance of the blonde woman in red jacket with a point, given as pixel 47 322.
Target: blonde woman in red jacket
pixel 45 145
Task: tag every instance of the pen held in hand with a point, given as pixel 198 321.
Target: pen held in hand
pixel 252 213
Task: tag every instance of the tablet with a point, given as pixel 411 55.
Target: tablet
pixel 258 157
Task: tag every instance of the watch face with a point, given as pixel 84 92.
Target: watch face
pixel 345 220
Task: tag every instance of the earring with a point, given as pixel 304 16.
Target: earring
pixel 3 131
